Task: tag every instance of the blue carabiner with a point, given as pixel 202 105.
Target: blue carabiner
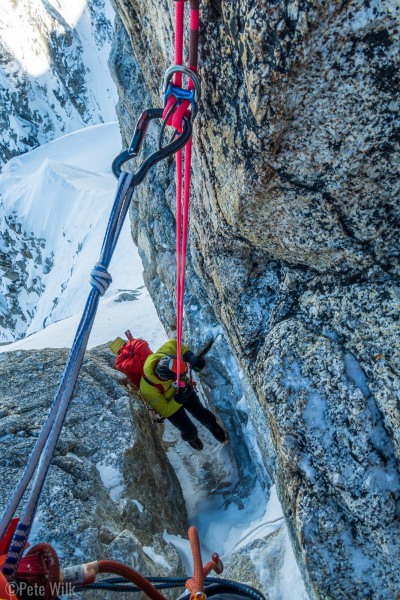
pixel 181 94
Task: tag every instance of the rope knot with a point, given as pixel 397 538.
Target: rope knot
pixel 100 278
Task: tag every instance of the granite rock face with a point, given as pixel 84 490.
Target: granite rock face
pixel 294 257
pixel 109 500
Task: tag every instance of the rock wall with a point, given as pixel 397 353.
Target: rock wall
pixel 109 500
pixel 294 256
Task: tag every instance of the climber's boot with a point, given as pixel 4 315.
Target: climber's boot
pixel 218 433
pixel 197 444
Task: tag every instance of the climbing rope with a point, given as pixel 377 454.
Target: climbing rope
pixel 195 584
pixel 177 102
pixel 40 569
pixel 100 279
pixel 200 585
pixel 42 453
pixel 213 586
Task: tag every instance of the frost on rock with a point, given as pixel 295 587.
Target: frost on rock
pixel 337 470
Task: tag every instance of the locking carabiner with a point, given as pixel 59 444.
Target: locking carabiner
pixel 137 140
pixel 182 94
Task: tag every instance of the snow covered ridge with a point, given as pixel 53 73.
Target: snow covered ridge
pixel 54 77
pixel 54 206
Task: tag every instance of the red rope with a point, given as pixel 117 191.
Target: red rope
pixel 176 120
pixel 112 566
pixel 179 19
pixel 195 584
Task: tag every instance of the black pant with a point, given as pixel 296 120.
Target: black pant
pixel 181 420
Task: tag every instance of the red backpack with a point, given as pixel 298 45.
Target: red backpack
pixel 131 359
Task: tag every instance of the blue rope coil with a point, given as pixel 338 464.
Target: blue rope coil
pixel 214 586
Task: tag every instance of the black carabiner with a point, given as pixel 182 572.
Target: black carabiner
pixel 137 141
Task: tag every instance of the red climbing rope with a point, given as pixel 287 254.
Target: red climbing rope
pixel 195 585
pixel 112 566
pixel 176 107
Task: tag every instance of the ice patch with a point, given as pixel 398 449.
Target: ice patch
pixel 314 413
pixel 157 558
pixel 112 478
pixel 292 379
pixel 182 546
pixel 140 506
pixel 356 374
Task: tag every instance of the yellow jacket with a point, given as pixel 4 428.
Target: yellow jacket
pixel 163 403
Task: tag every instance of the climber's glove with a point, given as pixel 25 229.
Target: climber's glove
pixel 196 362
pixel 184 393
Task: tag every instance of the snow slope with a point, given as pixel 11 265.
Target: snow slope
pixel 62 193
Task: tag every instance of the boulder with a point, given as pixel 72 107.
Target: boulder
pixel 110 490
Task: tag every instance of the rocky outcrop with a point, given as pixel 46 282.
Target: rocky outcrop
pixel 110 492
pixel 23 263
pixel 294 258
pixel 52 72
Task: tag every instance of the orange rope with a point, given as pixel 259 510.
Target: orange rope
pixel 195 585
pixel 112 566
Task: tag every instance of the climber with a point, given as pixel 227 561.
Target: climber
pixel 157 389
pixel 155 374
